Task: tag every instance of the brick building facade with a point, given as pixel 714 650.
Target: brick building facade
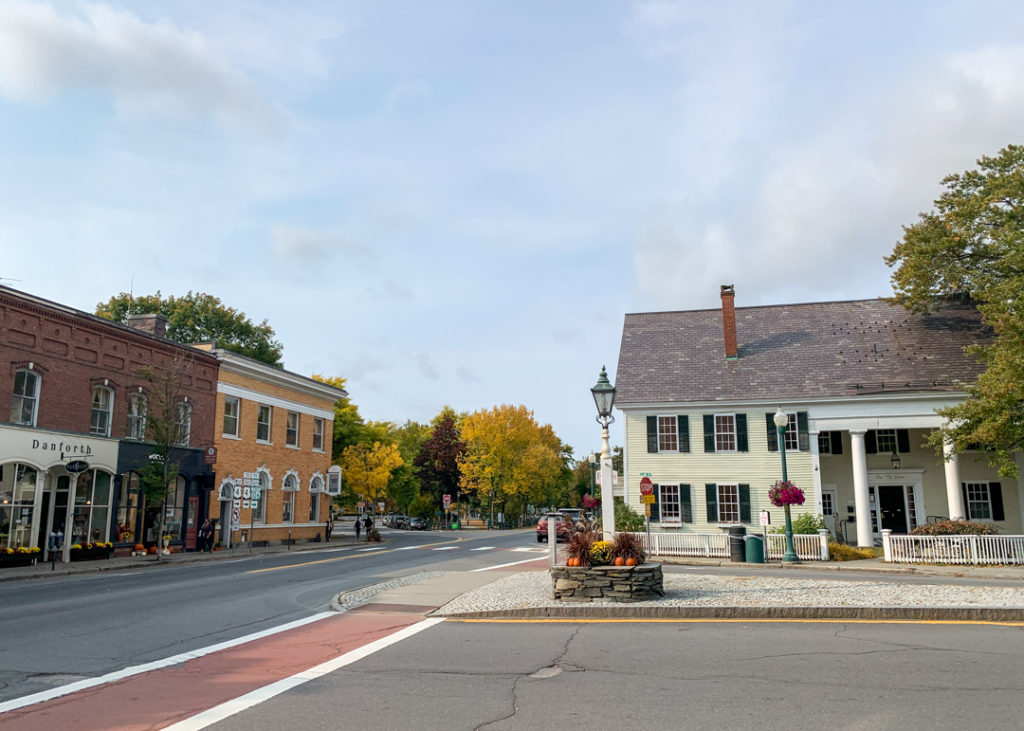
pixel 279 426
pixel 78 391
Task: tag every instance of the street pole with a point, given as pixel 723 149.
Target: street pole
pixel 790 555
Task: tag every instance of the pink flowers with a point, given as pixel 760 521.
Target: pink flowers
pixel 785 493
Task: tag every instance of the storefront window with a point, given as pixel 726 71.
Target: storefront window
pixel 17 496
pixel 175 508
pixel 92 507
pixel 127 507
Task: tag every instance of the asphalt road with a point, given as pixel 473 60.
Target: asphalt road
pixel 667 675
pixel 61 629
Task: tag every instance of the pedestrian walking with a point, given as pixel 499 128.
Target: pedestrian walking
pixel 206 536
pixel 359 526
pixel 368 524
pixel 328 527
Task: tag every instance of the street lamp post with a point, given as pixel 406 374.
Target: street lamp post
pixel 604 397
pixel 781 422
pixel 592 459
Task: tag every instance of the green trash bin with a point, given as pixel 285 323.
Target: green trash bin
pixel 755 548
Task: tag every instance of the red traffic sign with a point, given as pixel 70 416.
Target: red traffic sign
pixel 447 499
pixel 646 486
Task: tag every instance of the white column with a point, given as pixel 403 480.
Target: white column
pixel 816 473
pixel 862 505
pixel 69 517
pixel 954 495
pixel 607 489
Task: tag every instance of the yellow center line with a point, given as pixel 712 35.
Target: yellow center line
pixel 712 620
pixel 359 554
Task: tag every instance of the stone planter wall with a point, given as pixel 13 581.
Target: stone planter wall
pixel 614 583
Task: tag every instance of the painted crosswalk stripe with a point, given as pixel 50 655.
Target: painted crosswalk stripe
pixel 530 550
pixel 407 548
pixel 483 548
pixel 375 548
pixel 445 548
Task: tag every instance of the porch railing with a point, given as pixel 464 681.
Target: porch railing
pixel 808 547
pixel 953 549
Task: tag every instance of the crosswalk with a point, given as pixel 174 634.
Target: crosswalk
pixel 526 549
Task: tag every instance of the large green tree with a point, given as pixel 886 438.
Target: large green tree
pixel 971 246
pixel 200 318
pixel 438 458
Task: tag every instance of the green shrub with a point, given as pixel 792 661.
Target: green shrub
pixel 601 553
pixel 842 552
pixel 805 523
pixel 626 519
pixel 954 528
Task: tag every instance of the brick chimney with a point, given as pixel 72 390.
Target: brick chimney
pixel 729 321
pixel 150 322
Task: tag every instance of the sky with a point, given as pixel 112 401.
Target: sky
pixel 456 202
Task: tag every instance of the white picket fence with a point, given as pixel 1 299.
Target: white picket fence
pixel 808 547
pixel 953 549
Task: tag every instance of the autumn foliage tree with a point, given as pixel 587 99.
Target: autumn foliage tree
pixel 367 469
pixel 971 246
pixel 438 458
pixel 508 455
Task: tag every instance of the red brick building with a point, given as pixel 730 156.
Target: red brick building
pixel 84 390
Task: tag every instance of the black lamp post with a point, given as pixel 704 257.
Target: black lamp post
pixel 781 422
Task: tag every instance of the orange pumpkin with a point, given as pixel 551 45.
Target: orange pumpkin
pixel 139 547
pixel 620 561
pixel 631 562
pixel 572 562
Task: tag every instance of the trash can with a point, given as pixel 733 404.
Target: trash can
pixel 737 552
pixel 755 548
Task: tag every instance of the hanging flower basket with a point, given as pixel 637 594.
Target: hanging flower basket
pixel 785 493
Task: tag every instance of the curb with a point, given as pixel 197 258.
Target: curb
pixel 939 614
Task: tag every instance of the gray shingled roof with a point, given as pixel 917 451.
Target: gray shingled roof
pixel 814 350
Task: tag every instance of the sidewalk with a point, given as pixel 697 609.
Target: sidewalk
pixel 871 565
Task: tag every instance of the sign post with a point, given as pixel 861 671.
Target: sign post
pixel 647 496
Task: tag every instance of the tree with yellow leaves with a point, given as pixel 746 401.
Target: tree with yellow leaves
pixel 508 455
pixel 368 467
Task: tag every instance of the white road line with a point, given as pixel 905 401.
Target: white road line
pixel 506 565
pixel 484 548
pixel 407 548
pixel 445 548
pixel 59 691
pixel 530 550
pixel 375 548
pixel 230 708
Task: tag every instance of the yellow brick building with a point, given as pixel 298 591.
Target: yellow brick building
pixel 276 426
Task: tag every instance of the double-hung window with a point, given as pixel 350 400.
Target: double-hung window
pixel 231 412
pixel 25 398
pixel 291 429
pixel 137 408
pixel 316 486
pixel 792 434
pixel 669 504
pixel 668 440
pixel 259 514
pixel 263 423
pixel 979 505
pixel 885 440
pixel 102 406
pixel 183 419
pixel 318 435
pixel 725 432
pixel 728 503
pixel 291 484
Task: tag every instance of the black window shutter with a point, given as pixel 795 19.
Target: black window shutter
pixel 655 508
pixel 995 493
pixel 836 437
pixel 744 503
pixel 684 432
pixel 903 441
pixel 773 433
pixel 741 433
pixel 711 495
pixel 967 505
pixel 652 434
pixel 709 432
pixel 870 444
pixel 685 505
pixel 803 432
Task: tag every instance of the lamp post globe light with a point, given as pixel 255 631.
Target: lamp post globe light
pixel 604 397
pixel 781 422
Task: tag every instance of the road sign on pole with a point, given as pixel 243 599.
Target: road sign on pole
pixel 447 500
pixel 646 486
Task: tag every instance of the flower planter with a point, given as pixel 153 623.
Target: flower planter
pixel 90 554
pixel 17 559
pixel 613 583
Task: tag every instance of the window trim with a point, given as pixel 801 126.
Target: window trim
pixel 291 436
pixel 678 519
pixel 237 416
pixel 109 411
pixel 718 496
pixel 888 433
pixel 318 431
pixel 135 418
pixel 37 381
pixel 735 433
pixel 183 436
pixel 987 501
pixel 674 434
pixel 269 423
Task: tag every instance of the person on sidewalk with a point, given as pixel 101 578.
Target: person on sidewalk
pixel 359 526
pixel 368 525
pixel 328 527
pixel 206 536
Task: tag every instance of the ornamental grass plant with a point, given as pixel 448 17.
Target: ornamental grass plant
pixel 627 546
pixel 578 546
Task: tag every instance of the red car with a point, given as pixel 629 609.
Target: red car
pixel 562 527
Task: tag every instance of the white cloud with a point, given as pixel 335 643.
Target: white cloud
pixel 299 244
pixel 148 68
pixel 826 209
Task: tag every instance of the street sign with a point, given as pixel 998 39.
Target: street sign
pixel 646 486
pixel 78 465
pixel 251 475
pixel 236 514
pixel 246 491
pixel 647 499
pixel 766 518
pixel 380 506
pixel 447 500
pixel 238 491
pixel 210 456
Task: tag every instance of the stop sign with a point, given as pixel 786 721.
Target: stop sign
pixel 646 486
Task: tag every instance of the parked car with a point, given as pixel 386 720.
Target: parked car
pixel 417 524
pixel 400 521
pixel 563 528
